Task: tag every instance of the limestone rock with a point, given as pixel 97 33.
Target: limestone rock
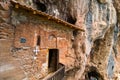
pixel 92 49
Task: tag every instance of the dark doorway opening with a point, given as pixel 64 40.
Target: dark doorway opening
pixel 53 60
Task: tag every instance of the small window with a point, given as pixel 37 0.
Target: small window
pixel 22 40
pixel 38 40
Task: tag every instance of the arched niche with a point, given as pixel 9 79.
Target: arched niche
pixel 52 41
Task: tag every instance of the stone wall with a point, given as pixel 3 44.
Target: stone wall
pixel 52 35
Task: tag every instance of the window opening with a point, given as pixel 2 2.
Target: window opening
pixel 38 40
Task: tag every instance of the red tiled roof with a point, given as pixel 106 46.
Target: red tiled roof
pixel 17 5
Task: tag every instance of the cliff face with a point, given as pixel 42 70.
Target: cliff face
pixel 117 60
pixel 102 23
pixel 97 49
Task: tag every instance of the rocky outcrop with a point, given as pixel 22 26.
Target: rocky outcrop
pixel 9 67
pixel 101 20
pixel 97 49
